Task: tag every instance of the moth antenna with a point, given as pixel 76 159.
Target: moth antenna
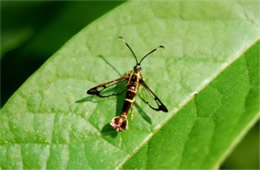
pixel 161 46
pixel 129 48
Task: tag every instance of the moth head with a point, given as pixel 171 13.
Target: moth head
pixel 137 67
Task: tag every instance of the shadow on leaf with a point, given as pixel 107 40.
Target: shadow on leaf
pixel 108 63
pixel 107 130
pixel 142 113
pixel 93 99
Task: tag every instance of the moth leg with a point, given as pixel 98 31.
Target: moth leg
pixel 132 113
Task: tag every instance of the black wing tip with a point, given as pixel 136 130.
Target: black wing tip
pixel 92 91
pixel 163 108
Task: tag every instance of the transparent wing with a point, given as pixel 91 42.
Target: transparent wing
pixel 148 96
pixel 111 88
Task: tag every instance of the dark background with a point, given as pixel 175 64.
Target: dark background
pixel 32 31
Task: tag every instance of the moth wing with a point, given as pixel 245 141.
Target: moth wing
pixel 149 97
pixel 111 88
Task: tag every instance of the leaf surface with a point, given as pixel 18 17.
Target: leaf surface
pixel 207 77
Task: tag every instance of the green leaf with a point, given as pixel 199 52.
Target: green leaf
pixel 208 81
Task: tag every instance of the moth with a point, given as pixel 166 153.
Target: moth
pixel 132 80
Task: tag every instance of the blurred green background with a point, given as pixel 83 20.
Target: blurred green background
pixel 32 31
